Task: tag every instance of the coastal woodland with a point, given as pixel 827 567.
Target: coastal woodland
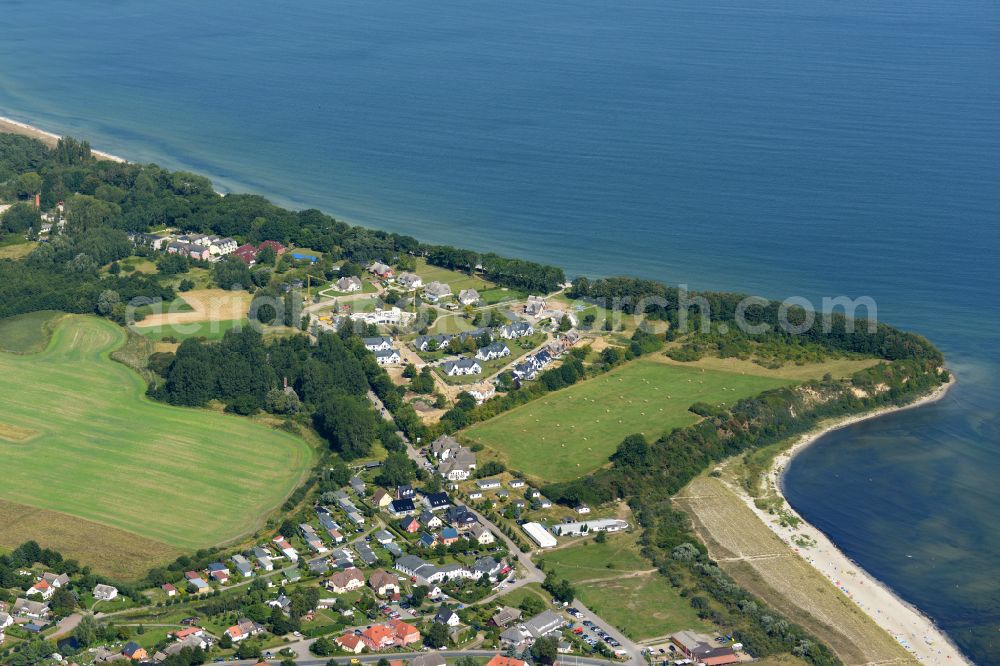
pixel 318 384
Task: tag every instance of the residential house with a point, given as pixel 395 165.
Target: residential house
pixel 383 537
pixel 220 247
pixel 492 351
pixel 243 629
pixel 169 590
pixel 383 582
pixel 388 357
pixel 243 566
pixel 427 540
pixel 394 633
pixel 582 509
pixel 506 616
pixel 55 580
pixel 410 281
pixel 381 499
pixel 534 305
pixel 198 585
pixel 519 329
pixel 383 271
pixel 482 392
pixel 42 589
pixel 517 483
pixel 380 343
pixel 134 651
pixel 447 617
pixel 105 592
pixel 246 253
pixel 430 520
pixel 35 610
pixel 435 291
pixel 462 367
pixel 346 580
pixel 468 297
pixel 409 524
pixel 278 248
pixel 488 484
pixel 348 284
pixel 437 501
pixel 461 517
pixel 405 492
pixel 357 485
pixel 543 624
pixel 481 535
pixel 449 535
pixel 488 567
pixel 502 660
pixel 402 507
pixel 218 571
pixel 350 643
pixel 366 554
pixel 428 659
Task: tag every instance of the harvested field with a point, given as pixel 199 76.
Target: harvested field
pixel 762 563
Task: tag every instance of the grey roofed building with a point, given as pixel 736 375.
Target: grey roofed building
pixel 377 343
pixel 29 608
pixel 436 291
pixel 487 566
pixel 543 624
pixel 366 554
pixel 468 296
pixel 349 283
pixel 394 549
pixel 463 366
pixel 428 659
pixel 506 615
pixel 358 485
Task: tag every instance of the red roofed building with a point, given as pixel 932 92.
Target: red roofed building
pixel 181 634
pixel 395 633
pixel 500 660
pixel 351 643
pixel 247 253
pixel 278 248
pixel 170 590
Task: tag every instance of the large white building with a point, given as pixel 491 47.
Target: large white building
pixel 590 527
pixel 539 535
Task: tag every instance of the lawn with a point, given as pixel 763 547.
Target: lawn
pixel 17 250
pixel 588 560
pixel 643 606
pixel 615 582
pixel 27 333
pixel 88 443
pixel 210 330
pixel 455 279
pixel 572 432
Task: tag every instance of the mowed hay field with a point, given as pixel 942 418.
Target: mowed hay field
pixel 763 564
pixel 572 432
pixel 616 582
pixel 27 333
pixel 98 449
pixel 205 313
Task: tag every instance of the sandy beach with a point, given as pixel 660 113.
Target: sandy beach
pixel 911 628
pixel 16 127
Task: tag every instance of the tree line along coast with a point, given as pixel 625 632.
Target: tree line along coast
pixel 75 238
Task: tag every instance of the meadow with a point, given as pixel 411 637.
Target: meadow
pixel 572 432
pixel 614 581
pixel 84 441
pixel 27 333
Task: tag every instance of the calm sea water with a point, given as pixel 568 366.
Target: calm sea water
pixel 790 147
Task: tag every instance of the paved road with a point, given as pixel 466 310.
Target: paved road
pixel 373 658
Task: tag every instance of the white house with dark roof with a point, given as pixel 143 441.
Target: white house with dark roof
pixel 379 343
pixel 410 280
pixel 388 356
pixel 519 329
pixel 462 367
pixel 492 351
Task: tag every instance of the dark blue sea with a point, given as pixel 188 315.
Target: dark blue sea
pixel 787 147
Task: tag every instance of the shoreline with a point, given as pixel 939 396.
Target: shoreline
pixel 48 138
pixel 907 624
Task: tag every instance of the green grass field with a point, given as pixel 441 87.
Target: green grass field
pixel 210 330
pixel 456 280
pixel 569 433
pixel 613 580
pixel 78 436
pixel 28 333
